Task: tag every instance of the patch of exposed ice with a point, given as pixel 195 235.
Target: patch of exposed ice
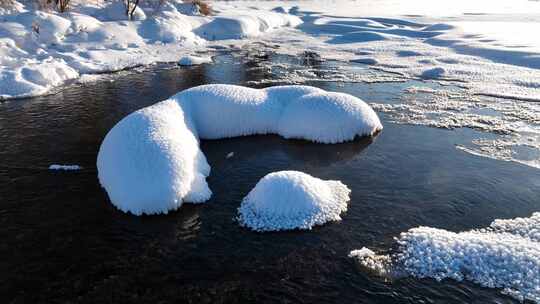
pixel 379 264
pixel 523 149
pixel 505 255
pixel 516 123
pixel 150 162
pixel 288 200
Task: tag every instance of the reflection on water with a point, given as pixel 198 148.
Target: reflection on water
pixel 62 241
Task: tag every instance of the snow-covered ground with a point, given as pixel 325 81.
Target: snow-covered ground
pixel 505 255
pixel 41 50
pixel 150 162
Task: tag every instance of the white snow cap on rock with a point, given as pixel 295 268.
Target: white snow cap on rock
pixel 150 162
pixel 288 200
pixel 505 255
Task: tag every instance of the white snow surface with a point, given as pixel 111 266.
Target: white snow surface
pixel 41 50
pixel 194 60
pixel 288 200
pixel 64 167
pixel 150 162
pixel 505 255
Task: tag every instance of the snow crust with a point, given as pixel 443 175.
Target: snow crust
pixel 41 50
pixel 150 162
pixel 288 200
pixel 505 255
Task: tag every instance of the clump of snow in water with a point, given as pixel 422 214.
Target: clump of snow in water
pixel 288 200
pixel 64 167
pixel 505 255
pixel 40 50
pixel 379 264
pixel 150 162
pixel 194 60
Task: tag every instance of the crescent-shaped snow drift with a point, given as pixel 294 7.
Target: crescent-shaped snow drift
pixel 150 162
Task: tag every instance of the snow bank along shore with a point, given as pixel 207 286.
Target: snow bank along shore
pixel 505 255
pixel 486 48
pixel 292 200
pixel 40 50
pixel 150 162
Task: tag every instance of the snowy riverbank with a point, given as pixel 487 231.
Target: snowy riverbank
pixel 41 50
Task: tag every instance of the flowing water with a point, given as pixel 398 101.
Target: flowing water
pixel 63 242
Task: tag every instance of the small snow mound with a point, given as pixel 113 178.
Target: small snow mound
pixel 292 200
pixel 116 11
pixel 379 264
pixel 361 253
pixel 229 28
pixel 434 73
pixel 150 162
pixel 65 167
pixel 194 60
pixel 238 27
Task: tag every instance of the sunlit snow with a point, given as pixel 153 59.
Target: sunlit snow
pixel 505 255
pixel 150 162
pixel 292 200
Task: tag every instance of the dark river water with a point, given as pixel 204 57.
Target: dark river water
pixel 63 242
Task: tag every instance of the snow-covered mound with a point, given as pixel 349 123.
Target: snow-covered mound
pixel 150 162
pixel 292 200
pixel 194 60
pixel 248 25
pixel 505 255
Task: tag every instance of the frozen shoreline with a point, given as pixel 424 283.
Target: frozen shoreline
pixel 41 51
